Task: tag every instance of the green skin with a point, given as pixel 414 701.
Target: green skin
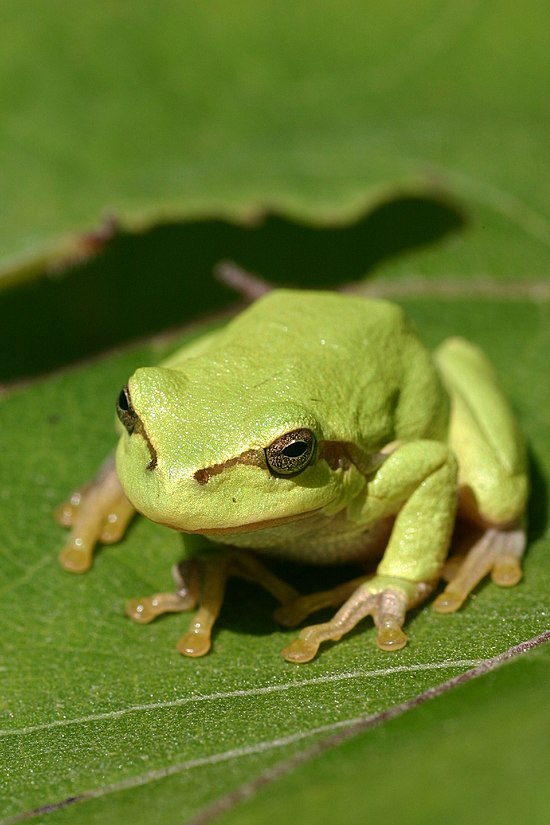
pixel 396 440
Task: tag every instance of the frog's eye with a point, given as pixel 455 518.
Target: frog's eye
pixel 125 410
pixel 290 453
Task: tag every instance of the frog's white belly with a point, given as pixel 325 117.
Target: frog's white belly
pixel 316 540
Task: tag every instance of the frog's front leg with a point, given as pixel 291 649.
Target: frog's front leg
pixel 418 481
pixel 99 512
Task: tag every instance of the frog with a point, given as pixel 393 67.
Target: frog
pixel 314 427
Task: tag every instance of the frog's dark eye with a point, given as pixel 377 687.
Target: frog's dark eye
pixel 125 410
pixel 290 453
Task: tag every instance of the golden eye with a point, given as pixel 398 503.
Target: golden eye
pixel 291 453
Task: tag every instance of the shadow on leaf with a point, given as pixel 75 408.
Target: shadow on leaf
pixel 141 284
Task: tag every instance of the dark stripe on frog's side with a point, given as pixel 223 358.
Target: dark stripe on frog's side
pixel 254 457
pixel 339 455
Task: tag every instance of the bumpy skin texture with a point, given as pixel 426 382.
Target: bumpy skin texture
pixel 317 427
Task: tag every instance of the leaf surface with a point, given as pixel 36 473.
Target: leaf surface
pixel 96 707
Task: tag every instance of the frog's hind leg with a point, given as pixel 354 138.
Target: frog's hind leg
pixel 492 476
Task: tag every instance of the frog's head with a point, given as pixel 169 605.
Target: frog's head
pixel 209 451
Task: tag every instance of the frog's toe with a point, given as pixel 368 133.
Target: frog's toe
pixel 506 571
pixel 300 651
pixel 65 513
pixel 391 636
pixel 447 602
pixel 97 512
pixel 143 610
pixel 287 615
pixel 116 521
pixel 294 612
pixel 248 567
pixel 76 556
pixel 195 643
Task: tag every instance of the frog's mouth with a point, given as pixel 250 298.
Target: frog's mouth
pixel 250 527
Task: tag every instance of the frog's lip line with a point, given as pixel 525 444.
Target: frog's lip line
pixel 242 528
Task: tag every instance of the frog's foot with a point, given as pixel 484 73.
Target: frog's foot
pixel 186 574
pixel 203 582
pixel 384 598
pixel 498 552
pixel 196 580
pixel 97 512
pixel 292 613
pixel 197 640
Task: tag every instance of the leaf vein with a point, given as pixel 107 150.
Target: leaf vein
pixel 242 693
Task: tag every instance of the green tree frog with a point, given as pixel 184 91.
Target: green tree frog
pixel 315 427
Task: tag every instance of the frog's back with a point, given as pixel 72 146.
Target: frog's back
pixel 360 354
pixel 352 364
pixel 301 316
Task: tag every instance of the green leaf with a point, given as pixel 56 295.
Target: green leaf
pixel 163 112
pixel 105 722
pixel 474 755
